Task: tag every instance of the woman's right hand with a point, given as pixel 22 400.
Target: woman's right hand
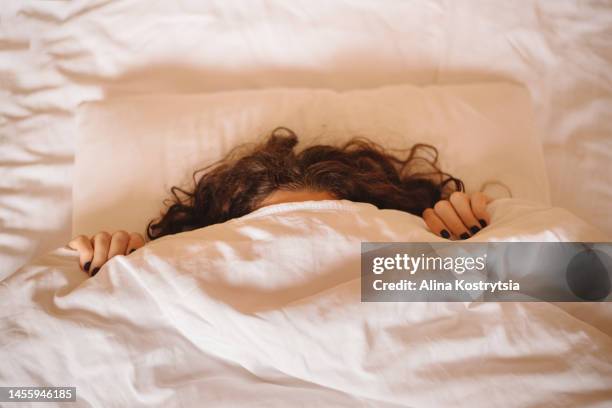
pixel 459 217
pixel 95 251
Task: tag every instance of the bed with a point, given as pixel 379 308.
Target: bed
pixel 55 56
pixel 267 310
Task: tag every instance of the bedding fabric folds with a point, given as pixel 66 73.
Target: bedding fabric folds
pixel 265 310
pixel 54 55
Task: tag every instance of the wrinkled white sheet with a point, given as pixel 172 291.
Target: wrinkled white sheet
pixel 55 55
pixel 265 311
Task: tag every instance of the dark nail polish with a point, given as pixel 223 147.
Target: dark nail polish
pixel 93 273
pixel 86 266
pixel 474 229
pixel 483 223
pixel 444 234
pixel 132 250
pixel 465 235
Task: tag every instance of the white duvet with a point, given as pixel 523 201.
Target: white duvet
pixel 265 311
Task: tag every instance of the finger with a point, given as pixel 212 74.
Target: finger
pixel 118 244
pixel 447 214
pixel 83 245
pixel 461 204
pixel 136 241
pixel 435 224
pixel 478 202
pixel 101 244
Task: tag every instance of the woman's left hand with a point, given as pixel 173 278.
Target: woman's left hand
pixel 95 251
pixel 459 217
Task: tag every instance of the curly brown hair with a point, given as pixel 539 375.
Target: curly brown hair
pixel 359 170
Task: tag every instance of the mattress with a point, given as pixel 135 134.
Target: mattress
pixel 57 55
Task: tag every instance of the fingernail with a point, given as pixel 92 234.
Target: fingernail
pixel 474 229
pixel 483 223
pixel 86 266
pixel 132 250
pixel 444 234
pixel 93 273
pixel 465 235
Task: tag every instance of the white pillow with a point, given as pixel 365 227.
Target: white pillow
pixel 131 150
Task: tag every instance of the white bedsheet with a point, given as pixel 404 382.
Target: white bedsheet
pixel 55 55
pixel 265 311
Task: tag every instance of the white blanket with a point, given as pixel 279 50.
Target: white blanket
pixel 265 311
